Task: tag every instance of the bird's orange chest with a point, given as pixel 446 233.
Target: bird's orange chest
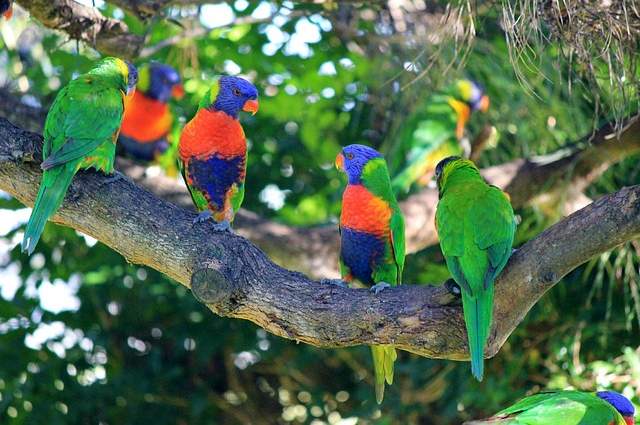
pixel 146 119
pixel 363 211
pixel 212 132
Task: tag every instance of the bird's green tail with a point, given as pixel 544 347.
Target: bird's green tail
pixel 383 358
pixel 53 187
pixel 478 311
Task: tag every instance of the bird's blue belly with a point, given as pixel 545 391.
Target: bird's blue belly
pixel 215 176
pixel 360 251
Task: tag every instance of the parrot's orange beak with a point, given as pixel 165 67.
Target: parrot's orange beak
pixel 250 105
pixel 9 13
pixel 484 103
pixel 340 161
pixel 177 91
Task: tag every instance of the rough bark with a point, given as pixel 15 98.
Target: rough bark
pixel 236 279
pixel 87 24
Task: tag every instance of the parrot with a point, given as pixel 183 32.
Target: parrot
pixel 435 132
pixel 147 118
pixel 476 226
pixel 213 150
pixel 6 8
pixel 372 237
pixel 80 132
pixel 566 408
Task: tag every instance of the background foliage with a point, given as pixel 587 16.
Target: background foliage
pixel 87 338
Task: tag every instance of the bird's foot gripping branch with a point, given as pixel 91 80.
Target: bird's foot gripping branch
pixel 236 279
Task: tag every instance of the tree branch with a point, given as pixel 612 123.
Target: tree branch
pixel 237 280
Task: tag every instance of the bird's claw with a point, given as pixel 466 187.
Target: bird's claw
pixel 453 288
pixel 223 226
pixel 336 282
pixel 202 217
pixel 379 287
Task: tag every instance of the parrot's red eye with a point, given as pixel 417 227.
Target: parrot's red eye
pixel 349 156
pixel 236 91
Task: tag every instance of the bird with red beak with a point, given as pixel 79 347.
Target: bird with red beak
pixel 213 150
pixel 6 8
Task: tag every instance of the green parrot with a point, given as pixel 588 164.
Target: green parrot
pixel 371 237
pixel 476 226
pixel 436 132
pixel 566 408
pixel 80 132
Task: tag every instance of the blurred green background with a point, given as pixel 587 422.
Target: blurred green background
pixel 87 338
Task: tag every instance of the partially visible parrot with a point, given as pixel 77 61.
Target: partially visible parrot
pixel 80 132
pixel 436 132
pixel 147 118
pixel 371 237
pixel 213 150
pixel 6 8
pixel 566 408
pixel 476 227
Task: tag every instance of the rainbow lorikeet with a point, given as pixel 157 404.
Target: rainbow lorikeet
pixel 567 408
pixel 436 132
pixel 6 8
pixel 476 227
pixel 147 117
pixel 80 132
pixel 213 150
pixel 371 237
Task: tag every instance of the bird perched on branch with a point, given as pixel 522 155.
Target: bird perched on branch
pixel 371 237
pixel 213 150
pixel 566 408
pixel 476 227
pixel 80 132
pixel 437 131
pixel 6 8
pixel 147 117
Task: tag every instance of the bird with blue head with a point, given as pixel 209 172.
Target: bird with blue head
pixel 436 131
pixel 371 237
pixel 213 150
pixel 566 408
pixel 148 118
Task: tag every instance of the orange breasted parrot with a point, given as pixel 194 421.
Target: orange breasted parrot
pixel 436 132
pixel 6 8
pixel 476 227
pixel 567 408
pixel 147 118
pixel 80 132
pixel 213 150
pixel 371 237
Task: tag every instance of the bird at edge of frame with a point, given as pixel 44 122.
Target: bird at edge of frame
pixel 6 8
pixel 372 240
pixel 147 116
pixel 566 408
pixel 80 132
pixel 437 131
pixel 213 151
pixel 476 227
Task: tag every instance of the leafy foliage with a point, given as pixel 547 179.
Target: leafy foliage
pixel 126 345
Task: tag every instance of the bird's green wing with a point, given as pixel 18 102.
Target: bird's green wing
pixel 564 407
pixel 375 177
pixel 398 239
pixel 85 114
pixel 494 227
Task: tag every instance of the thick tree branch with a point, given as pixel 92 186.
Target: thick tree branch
pixel 87 24
pixel 237 280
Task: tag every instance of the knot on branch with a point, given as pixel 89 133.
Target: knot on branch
pixel 213 288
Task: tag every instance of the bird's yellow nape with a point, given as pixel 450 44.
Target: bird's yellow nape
pixel 123 68
pixel 144 78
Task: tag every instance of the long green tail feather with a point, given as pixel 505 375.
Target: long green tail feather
pixel 478 311
pixel 50 195
pixel 383 358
